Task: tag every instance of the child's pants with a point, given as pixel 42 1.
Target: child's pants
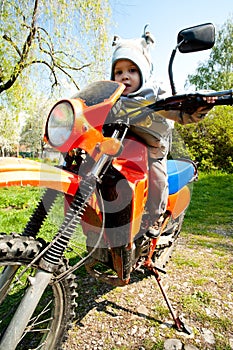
pixel 158 187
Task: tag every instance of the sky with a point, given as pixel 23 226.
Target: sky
pixel 166 18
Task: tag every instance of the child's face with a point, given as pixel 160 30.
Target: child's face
pixel 126 72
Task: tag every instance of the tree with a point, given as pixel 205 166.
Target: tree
pixel 9 136
pixel 62 37
pixel 47 49
pixel 210 142
pixel 217 72
pixel 32 129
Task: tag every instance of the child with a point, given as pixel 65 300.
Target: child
pixel 132 66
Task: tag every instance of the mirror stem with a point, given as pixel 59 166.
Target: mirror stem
pixel 170 72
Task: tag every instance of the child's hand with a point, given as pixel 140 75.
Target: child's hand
pixel 210 99
pixel 205 109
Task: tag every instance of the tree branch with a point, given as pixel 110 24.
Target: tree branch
pixel 7 38
pixel 44 53
pixel 22 63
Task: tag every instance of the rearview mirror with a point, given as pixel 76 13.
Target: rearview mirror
pixel 198 38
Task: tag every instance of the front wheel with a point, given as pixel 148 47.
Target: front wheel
pixel 48 326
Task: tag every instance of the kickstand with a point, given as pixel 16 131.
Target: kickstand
pixel 179 324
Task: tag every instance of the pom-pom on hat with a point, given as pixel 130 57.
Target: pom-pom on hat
pixel 137 51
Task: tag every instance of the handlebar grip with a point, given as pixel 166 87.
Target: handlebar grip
pixel 224 100
pixel 192 103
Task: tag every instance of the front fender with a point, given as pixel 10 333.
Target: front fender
pixel 24 172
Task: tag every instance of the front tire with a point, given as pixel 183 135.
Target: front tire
pixel 55 311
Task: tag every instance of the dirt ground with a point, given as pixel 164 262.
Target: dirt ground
pixel 200 287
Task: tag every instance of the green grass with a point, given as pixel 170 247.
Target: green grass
pixel 16 205
pixel 211 205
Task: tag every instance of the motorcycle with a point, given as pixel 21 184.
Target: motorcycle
pixel 104 188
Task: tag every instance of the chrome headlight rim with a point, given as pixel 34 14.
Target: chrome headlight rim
pixel 60 123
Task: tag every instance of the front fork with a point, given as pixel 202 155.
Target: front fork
pixel 25 310
pixel 5 280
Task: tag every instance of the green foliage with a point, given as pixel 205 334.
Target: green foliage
pixel 53 41
pixel 47 50
pixel 209 142
pixel 8 131
pixel 217 73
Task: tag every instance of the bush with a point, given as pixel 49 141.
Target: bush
pixel 209 142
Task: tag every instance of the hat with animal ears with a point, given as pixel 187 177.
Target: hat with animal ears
pixel 137 51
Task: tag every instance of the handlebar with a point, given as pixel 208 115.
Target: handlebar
pixel 187 103
pixel 194 100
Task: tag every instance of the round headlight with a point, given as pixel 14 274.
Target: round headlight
pixel 60 123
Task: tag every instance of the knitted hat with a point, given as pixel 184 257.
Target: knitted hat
pixel 137 51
